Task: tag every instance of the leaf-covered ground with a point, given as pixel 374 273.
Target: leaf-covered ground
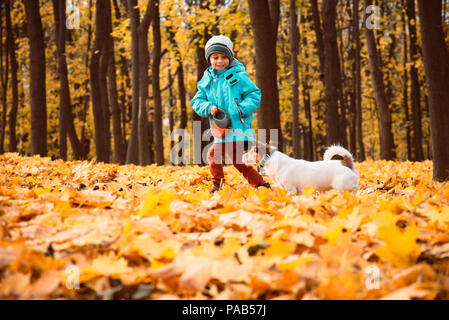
pixel 83 230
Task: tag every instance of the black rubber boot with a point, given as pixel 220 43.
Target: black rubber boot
pixel 266 185
pixel 215 187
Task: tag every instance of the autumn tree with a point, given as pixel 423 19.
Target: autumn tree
pixel 158 139
pixel 201 35
pixel 118 138
pixel 264 16
pixel 84 100
pixel 144 59
pixel 405 87
pixel 4 70
pixel 139 144
pixel 386 134
pixel 418 154
pixel 319 45
pixel 357 85
pixel 98 69
pixel 67 126
pixel 294 47
pixel 181 86
pixel 132 154
pixel 436 66
pixel 14 81
pixel 38 92
pixel 332 76
pixel 123 80
pixel 305 80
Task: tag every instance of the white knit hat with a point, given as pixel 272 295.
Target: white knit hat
pixel 219 44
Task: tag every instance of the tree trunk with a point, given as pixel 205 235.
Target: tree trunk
pixel 86 98
pixel 181 87
pixel 171 107
pixel 352 97
pixel 308 140
pixel 341 95
pixel 198 144
pixel 64 93
pixel 124 73
pixel 275 11
pixel 386 135
pixel 418 154
pixel 67 126
pixel 4 83
pixel 98 87
pixel 157 118
pixel 320 144
pixel 104 63
pixel 119 148
pixel 37 79
pixel 261 12
pixel 14 82
pixel 357 84
pixel 294 47
pixel 436 67
pixel 405 90
pixel 351 94
pixel 132 155
pixel 182 95
pixel 332 77
pixel 319 34
pixel 144 61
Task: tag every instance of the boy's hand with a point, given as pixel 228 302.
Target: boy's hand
pixel 213 110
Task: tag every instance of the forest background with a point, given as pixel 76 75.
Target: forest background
pixel 115 78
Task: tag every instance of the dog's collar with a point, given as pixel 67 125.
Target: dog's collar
pixel 265 159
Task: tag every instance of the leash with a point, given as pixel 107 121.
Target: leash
pixel 255 140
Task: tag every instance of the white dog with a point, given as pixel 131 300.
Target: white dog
pixel 335 171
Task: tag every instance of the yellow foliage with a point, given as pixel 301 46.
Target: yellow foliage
pixel 157 204
pixel 160 224
pixel 400 249
pixel 105 265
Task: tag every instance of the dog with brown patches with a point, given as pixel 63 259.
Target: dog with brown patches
pixel 335 171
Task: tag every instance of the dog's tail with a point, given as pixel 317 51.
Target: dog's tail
pixel 337 152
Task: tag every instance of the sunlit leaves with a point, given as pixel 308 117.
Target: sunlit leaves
pixel 159 226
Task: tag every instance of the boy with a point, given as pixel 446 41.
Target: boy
pixel 226 85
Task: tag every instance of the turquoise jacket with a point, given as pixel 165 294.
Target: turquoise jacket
pixel 232 90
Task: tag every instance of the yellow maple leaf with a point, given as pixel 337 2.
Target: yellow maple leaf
pixel 231 246
pixel 309 190
pixel 333 233
pixel 340 286
pixel 151 249
pixel 277 247
pixel 400 249
pixel 157 204
pixel 291 265
pixel 440 219
pixel 39 191
pixel 108 265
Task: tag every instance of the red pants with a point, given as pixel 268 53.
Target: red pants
pixel 234 151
